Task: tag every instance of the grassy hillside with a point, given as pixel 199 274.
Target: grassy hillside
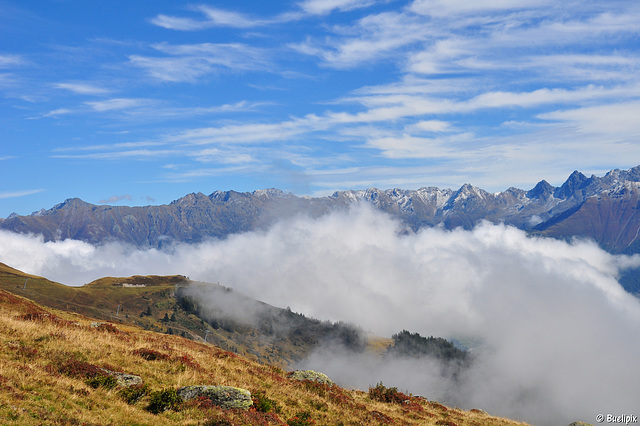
pixel 172 305
pixel 47 356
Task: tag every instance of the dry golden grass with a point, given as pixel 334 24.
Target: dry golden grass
pixel 378 345
pixel 36 341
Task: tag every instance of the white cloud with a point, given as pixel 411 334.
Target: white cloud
pixel 595 59
pixel 548 96
pixel 172 69
pixel 440 57
pixel 407 146
pixel 10 61
pixel 431 126
pixel 116 198
pixel 243 133
pixel 180 24
pixel 17 194
pixel 558 331
pixel 224 156
pixel 514 48
pixel 215 17
pixel 8 80
pixel 371 38
pixel 224 18
pixel 189 62
pixel 580 67
pixel 156 111
pixel 613 120
pixel 58 112
pixel 479 38
pixel 118 155
pixel 577 30
pixel 453 8
pixel 393 106
pixel 116 104
pixel 82 88
pixel 192 173
pixel 323 7
pixel 226 53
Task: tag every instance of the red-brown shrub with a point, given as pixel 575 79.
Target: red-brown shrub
pixel 79 369
pixel 446 423
pixel 188 361
pixel 384 394
pixel 109 328
pixel 438 406
pixel 39 316
pixel 150 354
pixel 380 417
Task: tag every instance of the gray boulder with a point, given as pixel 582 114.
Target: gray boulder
pixel 123 379
pixel 311 375
pixel 127 380
pixel 222 396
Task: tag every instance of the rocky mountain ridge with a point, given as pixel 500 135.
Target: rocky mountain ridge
pixel 602 208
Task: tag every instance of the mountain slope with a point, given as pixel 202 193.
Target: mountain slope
pixel 610 218
pixel 50 358
pixel 601 208
pixel 176 305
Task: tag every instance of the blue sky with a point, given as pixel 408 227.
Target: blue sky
pixel 135 102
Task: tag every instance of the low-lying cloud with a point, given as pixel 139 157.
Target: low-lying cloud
pixel 557 335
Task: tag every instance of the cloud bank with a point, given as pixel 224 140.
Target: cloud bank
pixel 557 335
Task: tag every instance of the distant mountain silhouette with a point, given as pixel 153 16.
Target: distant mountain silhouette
pixel 602 208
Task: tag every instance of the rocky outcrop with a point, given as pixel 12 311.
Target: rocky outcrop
pixel 124 379
pixel 127 380
pixel 222 396
pixel 311 375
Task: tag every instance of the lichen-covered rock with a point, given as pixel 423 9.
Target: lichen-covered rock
pixel 123 379
pixel 127 380
pixel 311 375
pixel 222 396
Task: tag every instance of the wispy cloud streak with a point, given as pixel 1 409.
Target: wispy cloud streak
pixel 82 88
pixel 189 62
pixel 17 194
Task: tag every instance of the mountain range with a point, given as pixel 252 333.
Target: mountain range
pixel 601 208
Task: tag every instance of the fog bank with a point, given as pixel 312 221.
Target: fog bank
pixel 559 335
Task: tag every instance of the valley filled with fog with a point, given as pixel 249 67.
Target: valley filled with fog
pixel 554 336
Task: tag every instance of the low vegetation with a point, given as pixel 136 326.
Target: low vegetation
pixel 57 367
pixel 407 344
